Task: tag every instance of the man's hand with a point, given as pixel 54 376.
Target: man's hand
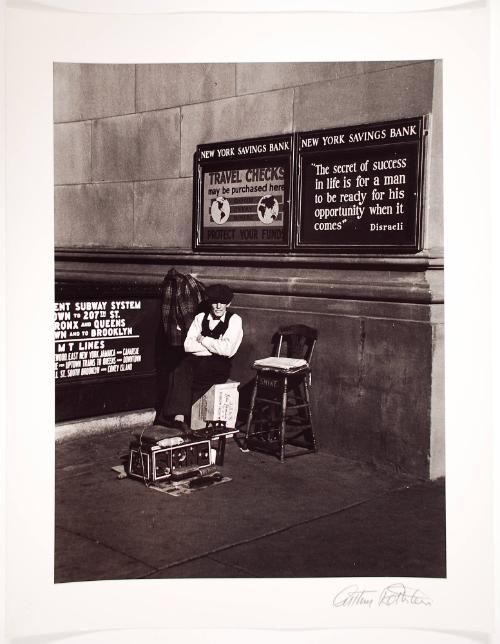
pixel 200 339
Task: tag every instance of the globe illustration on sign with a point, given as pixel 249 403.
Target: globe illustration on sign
pixel 268 209
pixel 219 210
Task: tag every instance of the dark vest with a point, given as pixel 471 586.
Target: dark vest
pixel 219 329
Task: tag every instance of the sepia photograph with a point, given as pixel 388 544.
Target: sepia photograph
pixel 249 323
pixel 233 410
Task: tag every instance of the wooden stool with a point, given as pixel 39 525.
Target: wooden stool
pixel 280 408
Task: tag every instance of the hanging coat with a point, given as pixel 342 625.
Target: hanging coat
pixel 181 297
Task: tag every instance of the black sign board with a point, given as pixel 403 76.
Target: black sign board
pixel 360 188
pixel 106 349
pixel 243 195
pixel 99 338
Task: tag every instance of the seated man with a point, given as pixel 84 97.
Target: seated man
pixel 212 340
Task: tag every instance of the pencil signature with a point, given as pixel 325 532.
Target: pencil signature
pixel 392 595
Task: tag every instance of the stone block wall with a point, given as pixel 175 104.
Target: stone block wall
pixel 125 136
pixel 136 128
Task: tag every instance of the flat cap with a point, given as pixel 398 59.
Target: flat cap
pixel 218 293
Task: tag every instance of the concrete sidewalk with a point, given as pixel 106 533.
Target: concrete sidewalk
pixel 316 515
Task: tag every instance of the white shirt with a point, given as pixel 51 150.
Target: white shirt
pixel 227 345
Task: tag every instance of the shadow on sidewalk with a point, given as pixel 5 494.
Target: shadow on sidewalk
pixel 316 515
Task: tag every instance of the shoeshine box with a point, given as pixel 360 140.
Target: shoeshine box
pixel 220 402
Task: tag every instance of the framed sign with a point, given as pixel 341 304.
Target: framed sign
pixel 99 337
pixel 243 195
pixel 105 349
pixel 360 188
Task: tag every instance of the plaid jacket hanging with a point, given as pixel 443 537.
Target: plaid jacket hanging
pixel 181 296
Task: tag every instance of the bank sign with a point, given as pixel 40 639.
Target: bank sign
pixel 351 189
pixel 243 194
pixel 360 188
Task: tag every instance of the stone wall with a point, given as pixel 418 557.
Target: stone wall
pixel 125 136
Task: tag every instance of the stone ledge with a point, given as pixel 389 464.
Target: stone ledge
pixel 424 260
pixel 103 424
pixel 404 286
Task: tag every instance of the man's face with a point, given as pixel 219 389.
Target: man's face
pixel 218 309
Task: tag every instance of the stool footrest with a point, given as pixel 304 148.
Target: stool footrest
pixel 269 400
pixel 284 420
